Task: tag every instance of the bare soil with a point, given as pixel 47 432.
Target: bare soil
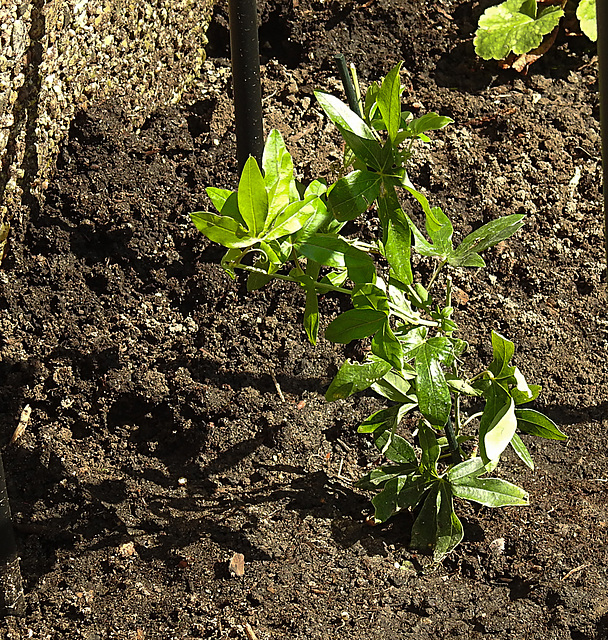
pixel 159 445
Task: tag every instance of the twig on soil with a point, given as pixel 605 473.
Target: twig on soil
pixel 575 570
pixel 250 632
pixel 276 386
pixel 22 426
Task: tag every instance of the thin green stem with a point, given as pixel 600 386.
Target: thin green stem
pixel 434 276
pixel 279 276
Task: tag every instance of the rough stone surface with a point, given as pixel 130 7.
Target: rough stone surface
pixel 57 55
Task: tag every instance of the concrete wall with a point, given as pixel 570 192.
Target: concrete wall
pixel 58 55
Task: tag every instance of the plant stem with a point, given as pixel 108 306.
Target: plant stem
pixel 279 276
pixel 434 276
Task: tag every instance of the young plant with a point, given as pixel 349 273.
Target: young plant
pixel 273 227
pixel 520 26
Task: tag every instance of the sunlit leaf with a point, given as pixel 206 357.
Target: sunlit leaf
pixel 354 377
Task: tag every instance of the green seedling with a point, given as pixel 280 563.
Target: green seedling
pixel 274 227
pixel 519 26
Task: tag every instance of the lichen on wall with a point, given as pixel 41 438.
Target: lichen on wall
pixel 58 55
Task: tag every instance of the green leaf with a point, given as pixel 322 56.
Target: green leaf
pixel 440 230
pixel 522 398
pixel 291 219
pixel 357 135
pixel 354 194
pixel 257 280
pixel 395 386
pixel 432 390
pixel 397 237
pixel 412 491
pixel 354 324
pixel 278 173
pixel 386 346
pixel 354 377
pixel 586 14
pixel 503 351
pixel 370 296
pixel 252 197
pixel 389 101
pixel 522 451
pixel 428 122
pixel 311 310
pixel 383 419
pixel 379 476
pixel 490 234
pixel 226 202
pixel 505 28
pixel 491 492
pixel 537 424
pixel 430 451
pixel 222 229
pixel 472 467
pixel 498 423
pixel 424 530
pixel 394 447
pixel 332 251
pixel 318 220
pixel 449 528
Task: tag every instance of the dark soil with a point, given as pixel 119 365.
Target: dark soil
pixel 159 444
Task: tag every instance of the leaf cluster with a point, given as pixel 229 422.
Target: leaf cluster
pixel 274 227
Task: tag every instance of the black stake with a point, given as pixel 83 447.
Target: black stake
pixel 245 53
pixel 453 447
pixel 347 83
pixel 601 7
pixel 12 602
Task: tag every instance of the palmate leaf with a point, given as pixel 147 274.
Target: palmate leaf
pixel 291 219
pixel 394 447
pixel 503 351
pixel 522 451
pixel 514 26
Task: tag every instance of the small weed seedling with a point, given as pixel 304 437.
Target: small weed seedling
pixel 274 227
pixel 520 26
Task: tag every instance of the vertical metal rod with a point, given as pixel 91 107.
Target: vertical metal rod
pixel 602 56
pixel 245 54
pixel 12 602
